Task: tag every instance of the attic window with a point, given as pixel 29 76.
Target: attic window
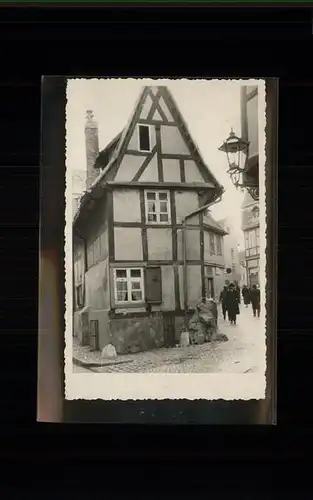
pixel 144 138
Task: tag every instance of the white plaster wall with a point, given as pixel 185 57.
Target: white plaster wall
pixel 165 110
pixel 194 220
pixel 128 243
pixel 186 202
pixel 146 107
pixel 151 172
pixel 129 167
pixel 192 244
pixel 171 170
pixel 192 172
pixel 212 258
pixel 172 141
pixel 193 285
pixel 159 244
pixel 126 205
pixel 97 286
pixel 104 244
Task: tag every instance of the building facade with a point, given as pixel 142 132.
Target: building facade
pixel 136 258
pixel 250 133
pixel 78 188
pixel 250 207
pixel 231 252
pixel 251 230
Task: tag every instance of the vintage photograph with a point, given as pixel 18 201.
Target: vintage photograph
pixel 165 239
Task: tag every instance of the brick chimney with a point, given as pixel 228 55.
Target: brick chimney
pixel 92 147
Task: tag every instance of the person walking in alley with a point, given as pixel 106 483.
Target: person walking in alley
pixel 222 300
pixel 232 304
pixel 255 300
pixel 238 292
pixel 246 295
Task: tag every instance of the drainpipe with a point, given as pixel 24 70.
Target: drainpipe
pixel 78 235
pixel 184 243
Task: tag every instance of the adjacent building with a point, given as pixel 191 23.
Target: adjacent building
pixel 251 230
pixel 250 133
pixel 250 206
pixel 78 188
pixel 138 262
pixel 231 252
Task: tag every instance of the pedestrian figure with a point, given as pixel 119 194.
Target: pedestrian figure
pixel 255 300
pixel 232 303
pixel 246 295
pixel 238 293
pixel 223 300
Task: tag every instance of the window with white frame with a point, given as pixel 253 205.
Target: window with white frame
pixel 218 244
pixel 252 242
pixel 144 140
pixel 212 244
pixel 157 207
pixel 128 284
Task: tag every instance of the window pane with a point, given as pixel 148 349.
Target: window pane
pixel 121 286
pixel 135 273
pixel 163 206
pixel 121 273
pixel 152 217
pixel 136 296
pixel 163 218
pixel 144 138
pixel 150 196
pixel 151 206
pixel 162 196
pixel 122 296
pixel 136 285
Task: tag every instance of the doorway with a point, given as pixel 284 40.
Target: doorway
pixel 169 329
pixel 209 288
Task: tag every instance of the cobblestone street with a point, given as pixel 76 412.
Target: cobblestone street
pixel 241 354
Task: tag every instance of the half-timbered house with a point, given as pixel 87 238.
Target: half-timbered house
pixel 144 251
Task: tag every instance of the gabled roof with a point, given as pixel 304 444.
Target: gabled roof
pixel 109 155
pixel 210 222
pixel 105 155
pixel 192 144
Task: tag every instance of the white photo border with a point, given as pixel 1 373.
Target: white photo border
pixel 173 386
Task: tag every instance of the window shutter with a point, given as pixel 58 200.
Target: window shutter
pixel 153 285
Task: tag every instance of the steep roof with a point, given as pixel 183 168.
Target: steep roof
pixel 109 159
pixel 105 154
pixel 110 153
pixel 209 221
pixel 248 200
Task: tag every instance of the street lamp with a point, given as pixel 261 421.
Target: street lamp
pixel 237 152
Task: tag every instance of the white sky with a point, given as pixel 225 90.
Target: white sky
pixel 210 109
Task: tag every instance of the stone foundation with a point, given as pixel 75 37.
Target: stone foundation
pixel 131 335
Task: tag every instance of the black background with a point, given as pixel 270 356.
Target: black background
pixel 132 460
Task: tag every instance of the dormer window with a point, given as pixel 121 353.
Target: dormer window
pixel 144 139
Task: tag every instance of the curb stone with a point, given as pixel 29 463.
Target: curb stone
pixel 84 364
